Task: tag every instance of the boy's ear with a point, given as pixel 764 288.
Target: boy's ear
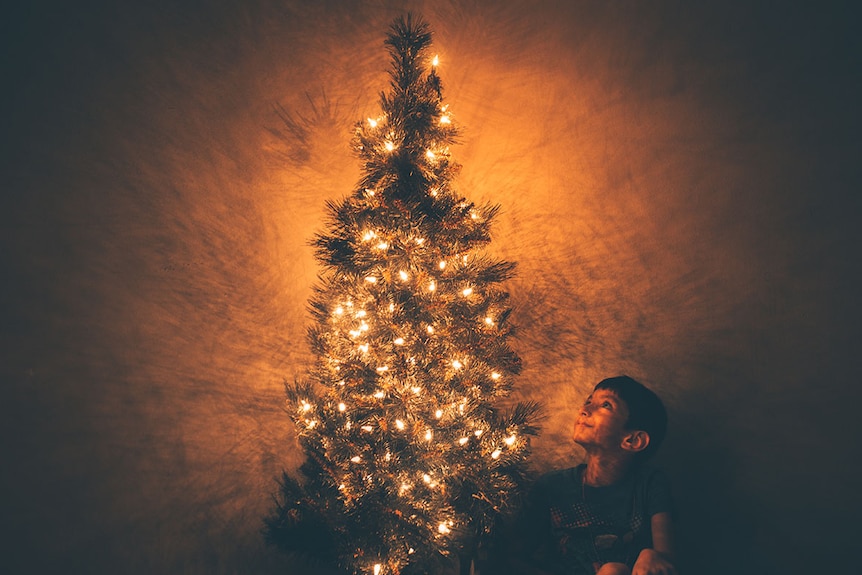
pixel 635 441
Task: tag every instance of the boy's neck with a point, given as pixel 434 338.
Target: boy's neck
pixel 603 469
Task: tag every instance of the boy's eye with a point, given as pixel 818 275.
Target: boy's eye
pixel 607 405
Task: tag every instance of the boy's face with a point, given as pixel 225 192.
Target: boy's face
pixel 601 422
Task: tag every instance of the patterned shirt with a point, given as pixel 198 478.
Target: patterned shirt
pixel 573 528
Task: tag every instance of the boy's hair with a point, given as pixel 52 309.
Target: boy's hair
pixel 646 411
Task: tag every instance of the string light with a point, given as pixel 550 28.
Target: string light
pixel 339 310
pixel 431 287
pixel 457 364
pixel 438 414
pixel 430 155
pixel 399 424
pixel 342 407
pixel 382 369
pixel 463 440
pixel 509 440
pixel 382 246
pixel 489 320
pixel 443 528
pixel 379 394
pixel 430 329
pixel 367 428
pixel 403 275
pixel 389 146
pixel 445 120
pixel 372 122
pixel 429 435
pixel 467 292
pixel 435 61
pixel 356 458
pixel 495 454
pixel 398 341
pixel 377 568
pixel 363 348
pixel 495 375
pixel 369 235
pixel 371 279
pixel 442 264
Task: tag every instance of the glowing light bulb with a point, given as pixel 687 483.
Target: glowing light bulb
pixel 495 454
pixel 403 275
pixel 430 329
pixel 363 326
pixel 377 568
pixel 442 265
pixel 509 440
pixel 399 424
pixel 420 241
pixel 426 478
pixel 436 60
pixel 371 279
pixel 398 341
pixel 312 424
pixel 306 406
pixel 369 235
pixel 361 313
pixel 495 375
pixel 367 428
pixel 432 285
pixel 382 246
pixel 339 310
pixel 478 433
pixel 438 414
pixel 467 292
pixel 457 364
pixel 363 348
pixel 474 216
pixel 392 307
pixel 463 440
pixel 445 120
pixel 389 146
pixel 443 528
pixel 430 155
pixel 489 320
pixel 342 407
pixel 355 459
pixel 382 369
pixel 379 394
pixel 369 191
pixel 429 435
pixel 417 390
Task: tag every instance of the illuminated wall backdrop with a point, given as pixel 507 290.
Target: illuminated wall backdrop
pixel 680 187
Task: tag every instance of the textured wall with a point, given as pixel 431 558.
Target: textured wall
pixel 680 188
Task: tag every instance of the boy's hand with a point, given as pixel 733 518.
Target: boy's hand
pixel 651 562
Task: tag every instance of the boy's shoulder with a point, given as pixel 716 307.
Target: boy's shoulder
pixel 564 478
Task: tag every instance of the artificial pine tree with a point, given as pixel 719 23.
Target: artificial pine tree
pixel 409 464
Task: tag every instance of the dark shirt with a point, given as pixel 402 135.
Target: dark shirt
pixel 570 528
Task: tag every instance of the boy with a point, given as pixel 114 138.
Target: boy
pixel 610 515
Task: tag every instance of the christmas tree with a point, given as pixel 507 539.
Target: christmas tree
pixel 409 464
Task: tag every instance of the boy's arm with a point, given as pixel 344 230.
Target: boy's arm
pixel 658 560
